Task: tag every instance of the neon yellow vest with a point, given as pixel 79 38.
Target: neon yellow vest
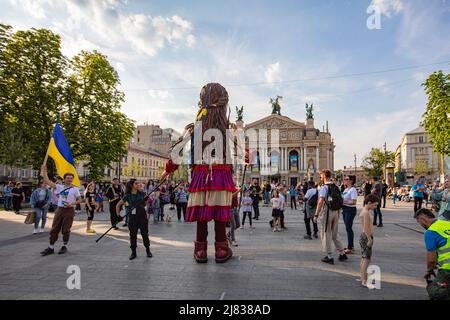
pixel 443 228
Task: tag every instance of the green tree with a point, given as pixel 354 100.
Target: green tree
pixel 91 114
pixel 34 75
pixel 40 86
pixel 374 162
pixel 420 168
pixel 436 117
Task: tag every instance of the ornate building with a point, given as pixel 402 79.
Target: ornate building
pixel 302 150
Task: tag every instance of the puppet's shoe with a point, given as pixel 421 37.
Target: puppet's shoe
pixel 223 252
pixel 200 252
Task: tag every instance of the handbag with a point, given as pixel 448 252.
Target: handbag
pixel 30 218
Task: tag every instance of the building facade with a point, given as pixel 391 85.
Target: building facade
pixel 359 172
pixel 298 155
pixel 155 138
pixel 414 158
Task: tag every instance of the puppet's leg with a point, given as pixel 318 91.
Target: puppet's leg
pixel 223 251
pixel 201 244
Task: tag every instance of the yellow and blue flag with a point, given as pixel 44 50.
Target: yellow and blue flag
pixel 60 152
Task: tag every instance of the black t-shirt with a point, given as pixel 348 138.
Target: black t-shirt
pixel 367 189
pixel 255 190
pixel 267 187
pixel 90 196
pixel 17 191
pixel 114 194
pixel 134 200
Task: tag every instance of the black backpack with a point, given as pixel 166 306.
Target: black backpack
pixel 334 198
pixel 312 202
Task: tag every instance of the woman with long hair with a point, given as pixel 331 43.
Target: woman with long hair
pixel 212 185
pixel 134 201
pixel 18 196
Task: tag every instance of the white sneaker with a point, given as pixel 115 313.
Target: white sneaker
pixel 234 243
pixel 35 231
pixel 41 230
pixel 242 227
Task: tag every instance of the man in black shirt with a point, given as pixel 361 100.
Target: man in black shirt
pixel 384 193
pixel 114 194
pixel 255 190
pixel 367 189
pixel 267 190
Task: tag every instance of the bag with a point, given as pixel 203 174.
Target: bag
pixel 312 202
pixel 30 218
pixel 438 289
pixel 40 204
pixel 334 198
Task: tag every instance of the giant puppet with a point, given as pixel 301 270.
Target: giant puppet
pixel 212 186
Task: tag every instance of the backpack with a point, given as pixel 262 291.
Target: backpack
pixel 312 202
pixel 334 198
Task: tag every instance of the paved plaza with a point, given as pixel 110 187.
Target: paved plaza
pixel 266 265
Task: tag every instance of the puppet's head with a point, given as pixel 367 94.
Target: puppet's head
pixel 213 106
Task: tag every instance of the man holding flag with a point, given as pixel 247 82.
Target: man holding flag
pixel 68 192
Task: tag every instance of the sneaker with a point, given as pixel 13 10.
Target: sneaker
pixel 380 225
pixel 149 254
pixel 63 250
pixel 274 230
pixel 90 231
pixel 328 260
pixel 47 252
pixel 307 237
pixel 35 231
pixel 242 228
pixel 316 236
pixel 343 257
pixel 41 230
pixel 133 255
pixel 234 243
pixel 125 225
pixel 116 228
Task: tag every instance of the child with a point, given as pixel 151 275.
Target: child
pixel 394 196
pixel 247 208
pixel 156 206
pixel 366 239
pixel 276 205
pixel 99 199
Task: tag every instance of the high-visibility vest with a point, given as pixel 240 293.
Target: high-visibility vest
pixel 443 228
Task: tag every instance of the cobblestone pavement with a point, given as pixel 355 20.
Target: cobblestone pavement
pixel 266 265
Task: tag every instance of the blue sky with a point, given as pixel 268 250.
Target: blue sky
pixel 165 51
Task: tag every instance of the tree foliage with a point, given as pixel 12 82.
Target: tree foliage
pixel 374 162
pixel 436 117
pixel 40 86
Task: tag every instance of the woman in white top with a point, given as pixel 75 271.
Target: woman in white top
pixel 350 197
pixel 276 206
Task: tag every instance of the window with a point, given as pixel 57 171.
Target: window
pixel 420 139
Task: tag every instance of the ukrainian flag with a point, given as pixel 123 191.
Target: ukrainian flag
pixel 60 152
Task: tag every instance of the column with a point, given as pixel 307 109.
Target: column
pixel 304 158
pixel 317 159
pixel 287 160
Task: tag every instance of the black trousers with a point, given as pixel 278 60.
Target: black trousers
pixel 16 202
pixel 112 213
pixel 293 203
pixel 282 219
pixel 137 222
pixel 308 225
pixel 384 201
pixel 418 203
pixel 256 209
pixel 181 206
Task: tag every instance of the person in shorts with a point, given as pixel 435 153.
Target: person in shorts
pixel 366 238
pixel 276 205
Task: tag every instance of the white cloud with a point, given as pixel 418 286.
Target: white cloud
pixel 33 7
pixel 159 94
pixel 272 73
pixel 388 7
